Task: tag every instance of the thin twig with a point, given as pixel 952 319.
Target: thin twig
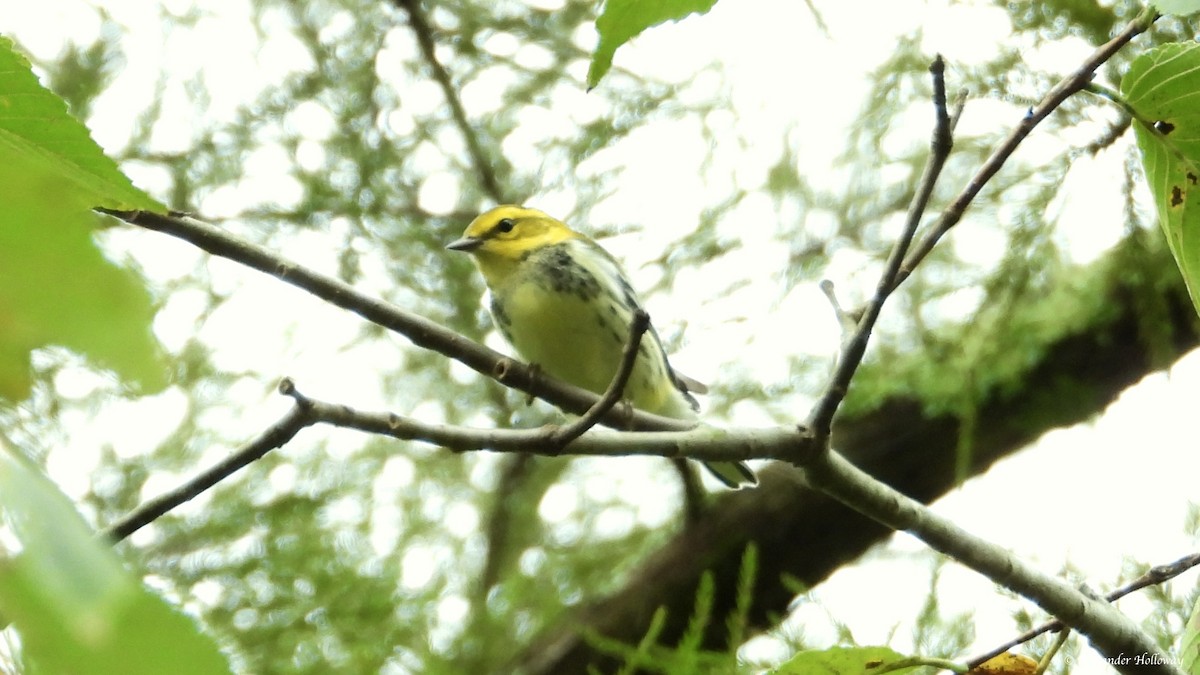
pixel 960 102
pixel 1044 662
pixel 1119 101
pixel 421 28
pixel 733 445
pixel 1054 98
pixel 1153 576
pixel 1160 128
pixel 845 319
pixel 569 432
pixel 730 445
pixel 273 437
pixel 821 418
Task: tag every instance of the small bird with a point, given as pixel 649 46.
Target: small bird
pixel 566 305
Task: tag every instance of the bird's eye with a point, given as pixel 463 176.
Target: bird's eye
pixel 505 225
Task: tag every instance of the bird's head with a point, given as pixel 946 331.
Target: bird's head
pixel 507 233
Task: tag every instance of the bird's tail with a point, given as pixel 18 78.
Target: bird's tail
pixel 732 474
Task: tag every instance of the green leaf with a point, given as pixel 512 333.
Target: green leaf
pixel 1189 643
pixel 76 609
pixel 36 129
pixel 1163 88
pixel 621 20
pixel 842 661
pixel 1178 7
pixel 55 286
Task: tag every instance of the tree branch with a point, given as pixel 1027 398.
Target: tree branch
pixel 421 331
pixel 1110 632
pixel 820 419
pixel 1068 86
pixel 273 437
pixel 637 329
pixel 1154 576
pixel 483 167
pixel 705 444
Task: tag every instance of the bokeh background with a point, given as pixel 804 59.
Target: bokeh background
pixel 731 161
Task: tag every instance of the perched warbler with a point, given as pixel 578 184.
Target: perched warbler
pixel 565 305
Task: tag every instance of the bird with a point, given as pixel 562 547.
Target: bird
pixel 565 304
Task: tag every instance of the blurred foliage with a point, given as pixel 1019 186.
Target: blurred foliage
pixel 345 554
pixel 77 609
pixel 55 286
pixel 622 20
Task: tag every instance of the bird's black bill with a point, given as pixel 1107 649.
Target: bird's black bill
pixel 464 244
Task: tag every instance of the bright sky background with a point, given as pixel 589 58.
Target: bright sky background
pixel 1089 496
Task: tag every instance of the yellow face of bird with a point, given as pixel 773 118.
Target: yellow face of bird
pixel 499 240
pixel 507 232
